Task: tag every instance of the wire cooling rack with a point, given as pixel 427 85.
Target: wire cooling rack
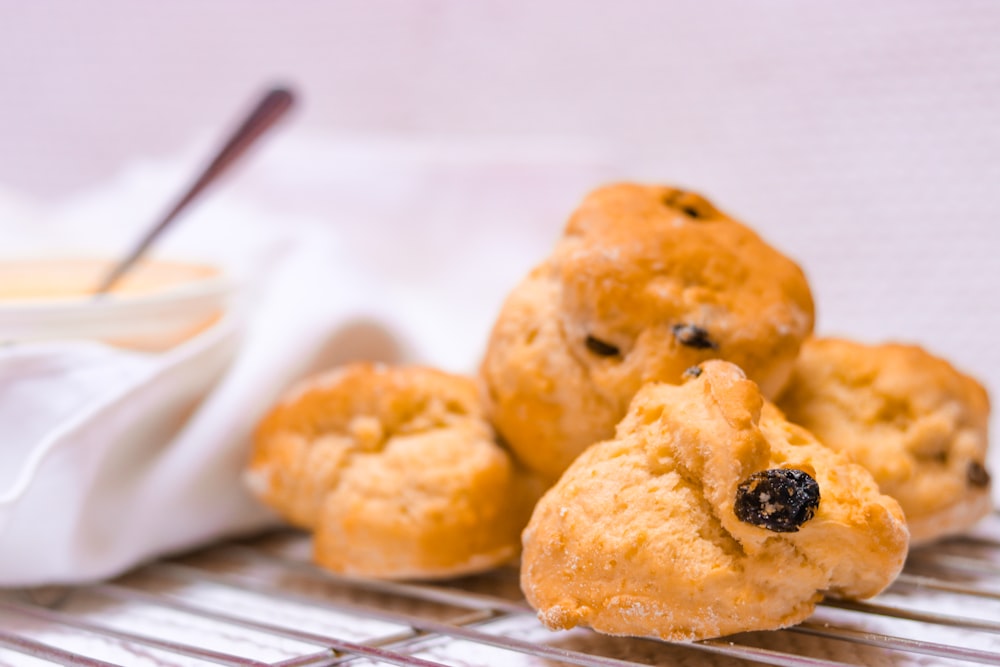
pixel 260 602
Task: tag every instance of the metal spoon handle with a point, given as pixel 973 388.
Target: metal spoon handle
pixel 271 107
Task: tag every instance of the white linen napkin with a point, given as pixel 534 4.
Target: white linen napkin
pixel 109 457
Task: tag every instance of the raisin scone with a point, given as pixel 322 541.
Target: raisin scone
pixel 645 282
pixel 707 514
pixel 918 425
pixel 396 471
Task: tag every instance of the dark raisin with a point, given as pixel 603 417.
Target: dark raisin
pixel 780 499
pixel 601 348
pixel 693 372
pixel 694 336
pixel 977 474
pixel 690 204
pixel 691 212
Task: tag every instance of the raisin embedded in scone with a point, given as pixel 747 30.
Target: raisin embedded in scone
pixel 707 514
pixel 779 499
pixel 645 282
pixel 396 470
pixel 916 423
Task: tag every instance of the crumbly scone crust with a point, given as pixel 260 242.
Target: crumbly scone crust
pixel 640 537
pixel 396 470
pixel 918 424
pixel 645 282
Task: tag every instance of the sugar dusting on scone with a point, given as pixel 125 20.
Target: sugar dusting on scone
pixel 645 282
pixel 397 472
pixel 707 514
pixel 917 423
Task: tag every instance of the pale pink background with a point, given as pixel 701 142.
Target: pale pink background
pixel 862 138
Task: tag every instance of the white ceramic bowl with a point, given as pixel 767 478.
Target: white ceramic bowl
pixel 155 306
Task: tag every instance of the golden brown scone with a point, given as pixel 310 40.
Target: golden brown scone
pixel 397 472
pixel 680 527
pixel 645 282
pixel 918 424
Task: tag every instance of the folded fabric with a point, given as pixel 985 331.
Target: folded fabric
pixel 111 456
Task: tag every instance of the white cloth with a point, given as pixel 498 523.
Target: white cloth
pixel 109 457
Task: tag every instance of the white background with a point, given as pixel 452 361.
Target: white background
pixel 862 138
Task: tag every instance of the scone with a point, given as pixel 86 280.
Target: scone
pixel 918 424
pixel 707 514
pixel 645 282
pixel 397 472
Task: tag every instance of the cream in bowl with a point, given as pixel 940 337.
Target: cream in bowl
pixel 155 306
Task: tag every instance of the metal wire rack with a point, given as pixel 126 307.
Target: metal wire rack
pixel 259 602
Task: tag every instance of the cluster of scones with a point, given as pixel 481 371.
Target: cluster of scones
pixel 654 430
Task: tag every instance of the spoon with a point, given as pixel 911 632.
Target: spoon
pixel 268 110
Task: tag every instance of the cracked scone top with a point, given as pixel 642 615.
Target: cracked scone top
pixel 918 425
pixel 396 471
pixel 644 283
pixel 680 527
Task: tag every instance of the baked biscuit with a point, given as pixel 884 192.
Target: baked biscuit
pixel 397 472
pixel 707 514
pixel 644 283
pixel 918 424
